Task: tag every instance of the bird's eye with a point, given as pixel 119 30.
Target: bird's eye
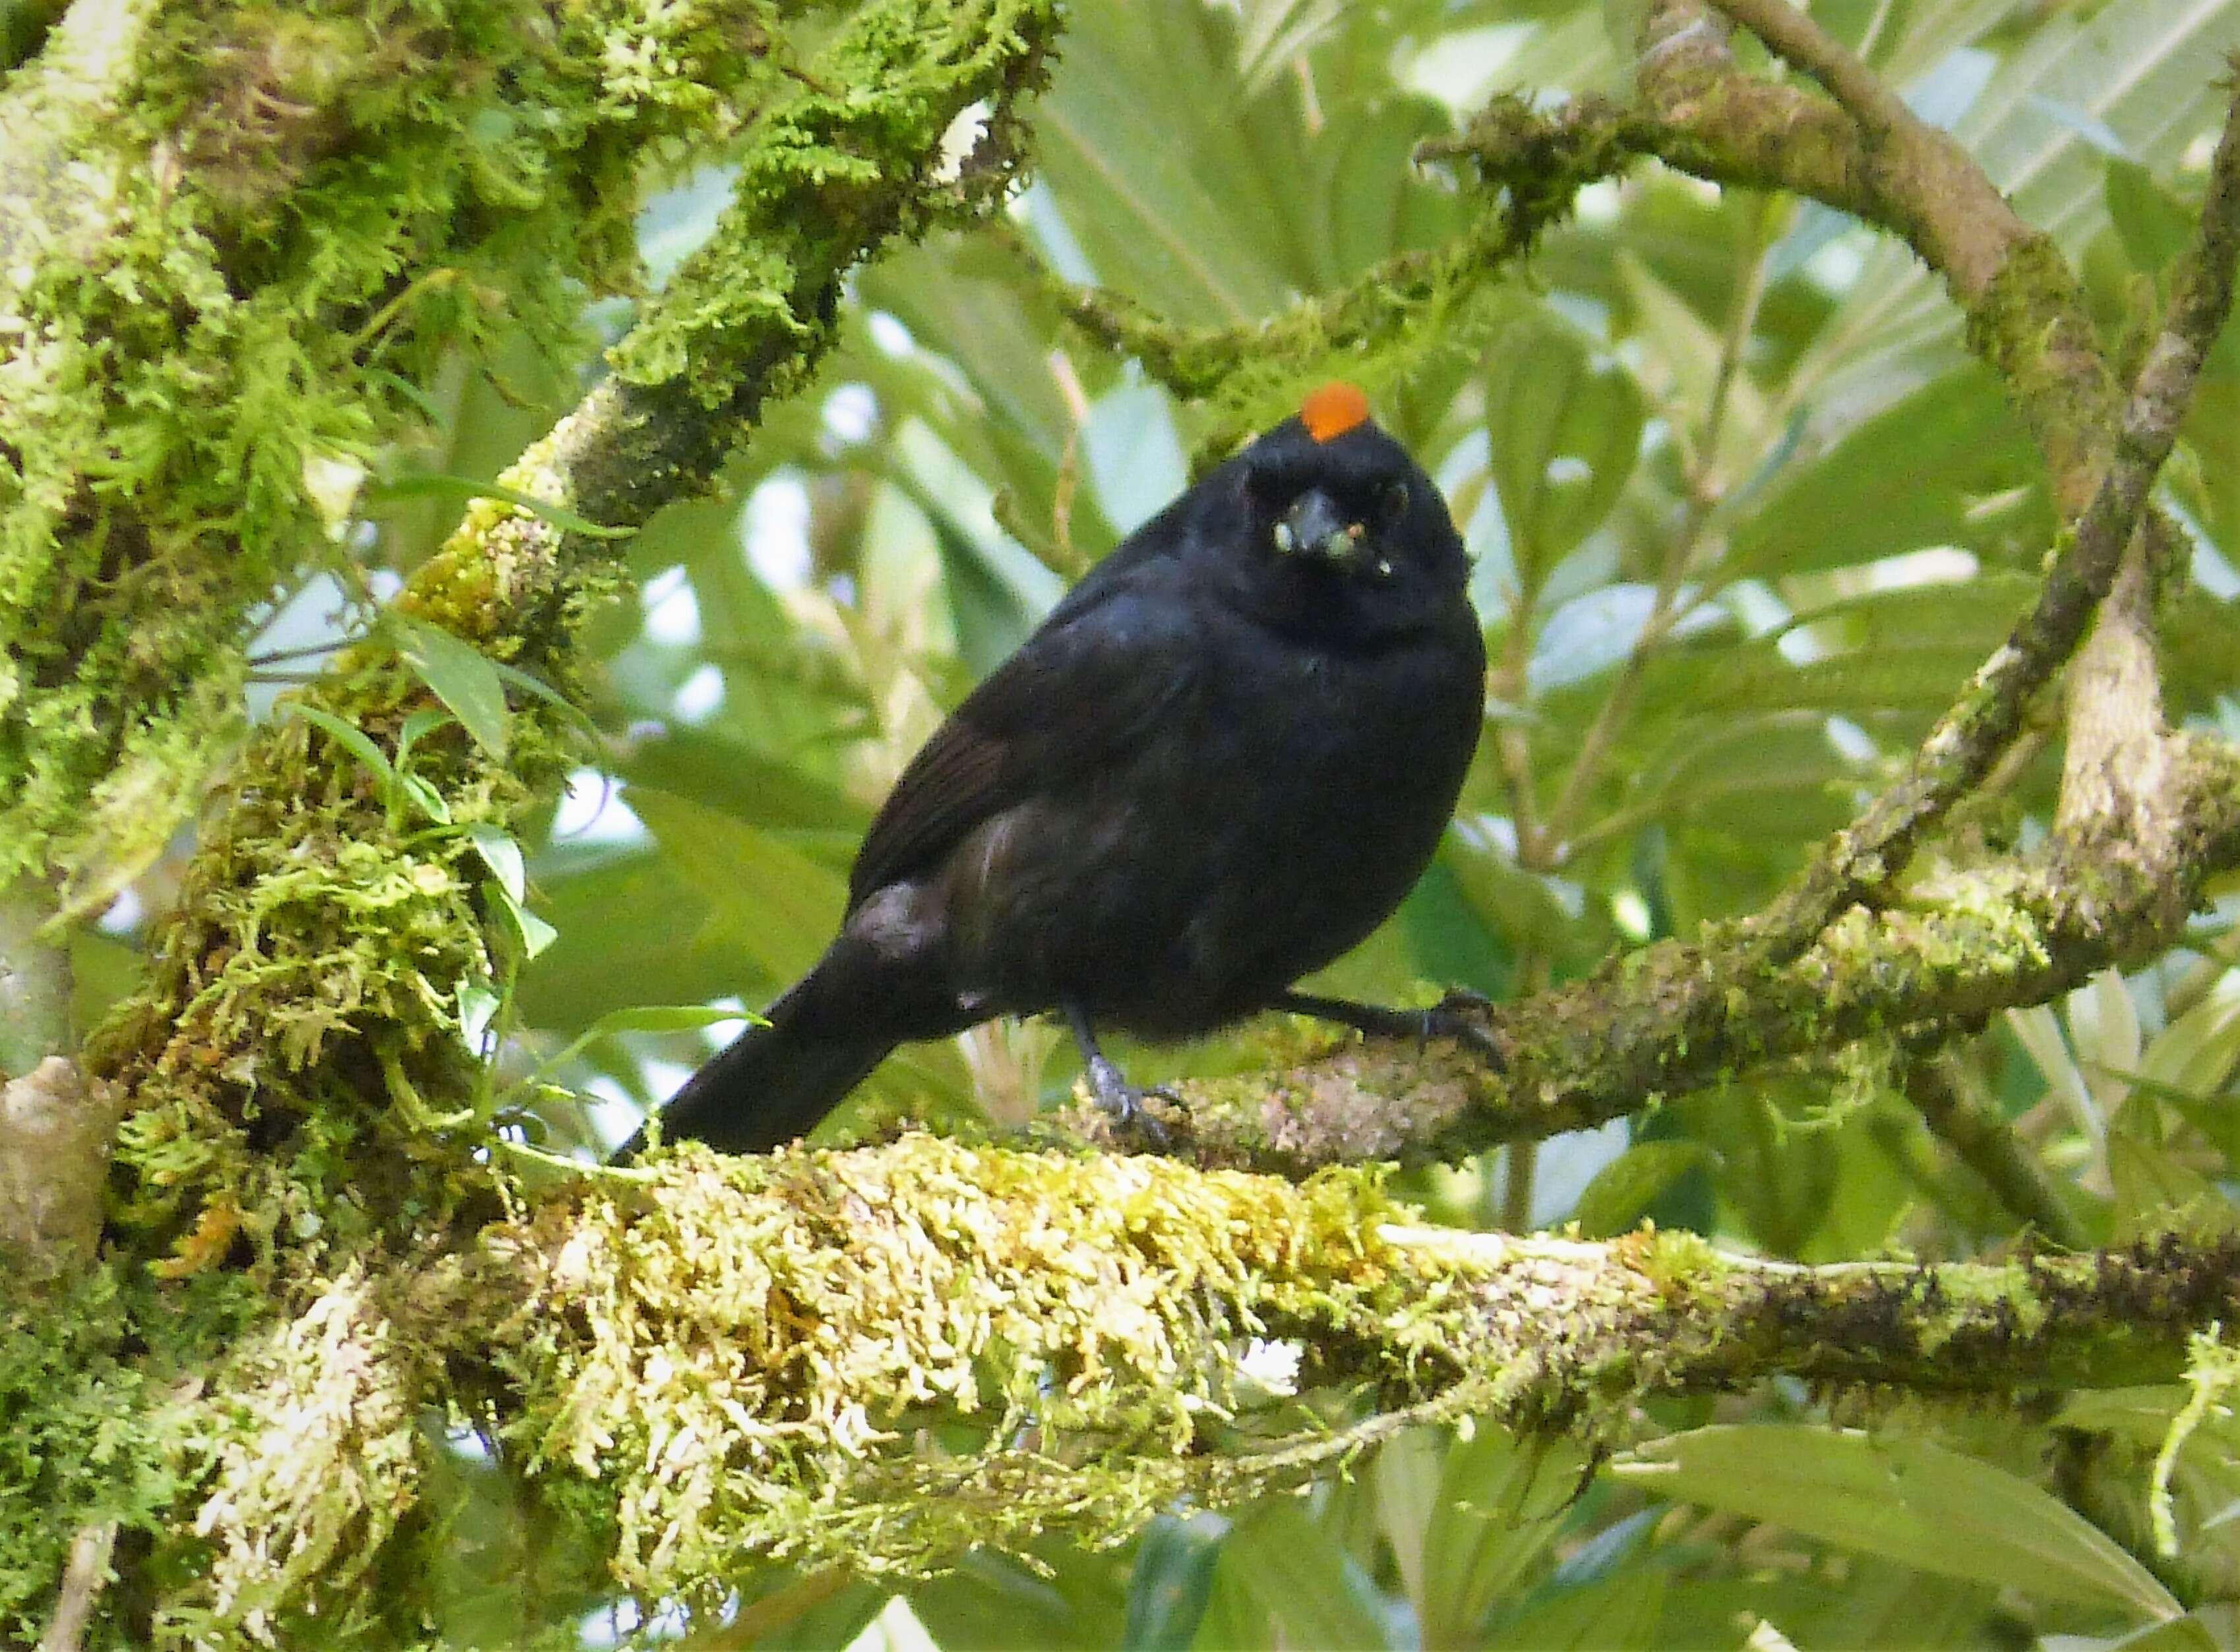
pixel 1392 502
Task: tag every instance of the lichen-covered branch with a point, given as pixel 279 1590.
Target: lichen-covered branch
pixel 875 1358
pixel 1868 155
pixel 884 1357
pixel 302 1097
pixel 1382 320
pixel 1674 1018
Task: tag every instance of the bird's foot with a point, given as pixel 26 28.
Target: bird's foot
pixel 1109 1089
pixel 1461 1015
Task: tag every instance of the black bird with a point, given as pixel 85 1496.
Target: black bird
pixel 1221 762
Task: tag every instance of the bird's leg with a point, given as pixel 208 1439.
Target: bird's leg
pixel 1443 1020
pixel 1110 1085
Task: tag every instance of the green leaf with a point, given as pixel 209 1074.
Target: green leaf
pixel 767 899
pixel 461 675
pixel 1909 1500
pixel 1686 361
pixel 662 1018
pixel 1948 465
pixel 2154 225
pixel 1407 1472
pixel 2146 69
pixel 2195 1052
pixel 420 484
pixel 1499 1510
pixel 1566 431
pixel 1616 1613
pixel 426 798
pixel 1629 1183
pixel 352 739
pixel 417 727
pixel 503 855
pixel 533 933
pixel 2153 1188
pixel 646 1018
pixel 1144 137
pixel 478 1006
pixel 545 692
pixel 1318 1595
pixel 1172 1581
pixel 2187 1634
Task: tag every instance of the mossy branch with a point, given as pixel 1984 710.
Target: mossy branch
pixel 309 974
pixel 1963 944
pixel 1376 324
pixel 2104 455
pixel 880 1357
pixel 218 230
pixel 885 1357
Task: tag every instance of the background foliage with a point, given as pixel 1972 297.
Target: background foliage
pixel 1745 516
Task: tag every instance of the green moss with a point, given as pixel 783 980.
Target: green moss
pixel 1392 321
pixel 2032 325
pixel 760 295
pixel 307 1000
pixel 294 215
pixel 96 1425
pixel 296 1055
pixel 888 1356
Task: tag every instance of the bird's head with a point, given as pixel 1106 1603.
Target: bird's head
pixel 1342 525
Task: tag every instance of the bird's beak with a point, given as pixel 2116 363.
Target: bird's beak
pixel 1314 526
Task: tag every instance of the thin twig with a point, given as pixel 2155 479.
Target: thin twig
pixel 1880 112
pixel 85 1575
pixel 1982 1140
pixel 1705 488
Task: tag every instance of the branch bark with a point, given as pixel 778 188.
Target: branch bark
pixel 1684 1016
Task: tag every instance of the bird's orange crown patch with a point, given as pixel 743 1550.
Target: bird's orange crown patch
pixel 1333 410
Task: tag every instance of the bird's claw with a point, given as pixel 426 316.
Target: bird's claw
pixel 1459 1015
pixel 1115 1095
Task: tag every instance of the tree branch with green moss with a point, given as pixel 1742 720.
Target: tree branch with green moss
pixel 1962 943
pixel 2116 887
pixel 301 1094
pixel 309 970
pixel 886 1357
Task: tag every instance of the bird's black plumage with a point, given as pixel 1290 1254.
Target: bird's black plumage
pixel 1221 762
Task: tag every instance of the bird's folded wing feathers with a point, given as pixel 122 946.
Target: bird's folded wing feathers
pixel 1084 689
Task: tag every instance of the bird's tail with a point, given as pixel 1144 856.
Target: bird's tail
pixel 770 1084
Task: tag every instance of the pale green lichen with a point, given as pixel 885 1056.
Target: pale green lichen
pixel 320 1459
pixel 888 1356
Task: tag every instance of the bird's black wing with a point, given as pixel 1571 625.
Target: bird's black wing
pixel 1084 688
